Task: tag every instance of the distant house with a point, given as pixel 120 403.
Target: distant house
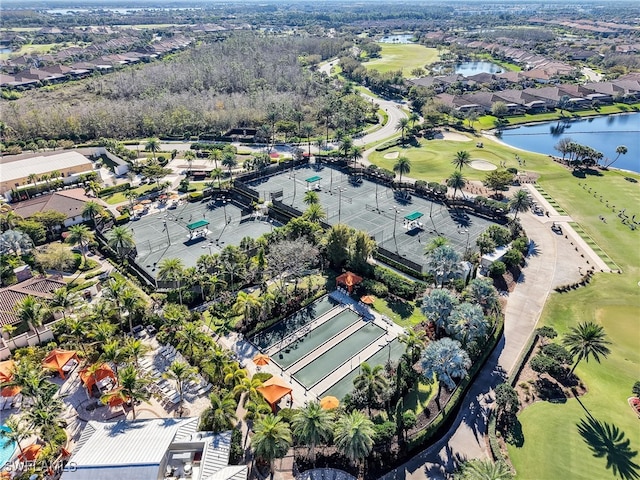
pixel 40 287
pixel 69 202
pixel 152 449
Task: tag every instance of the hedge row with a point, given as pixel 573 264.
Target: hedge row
pixel 116 189
pixel 397 284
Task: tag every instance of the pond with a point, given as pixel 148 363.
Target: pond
pixel 603 133
pixel 397 38
pixel 5 50
pixel 472 68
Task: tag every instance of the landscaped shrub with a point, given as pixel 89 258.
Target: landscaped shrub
pixel 557 352
pixel 497 268
pixel 105 192
pixel 263 376
pixel 122 219
pixel 375 288
pixel 81 286
pixel 195 196
pixel 521 244
pixel 512 258
pixel 396 284
pixel 542 363
pixel 286 414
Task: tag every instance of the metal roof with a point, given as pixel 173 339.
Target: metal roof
pixel 127 450
pixel 42 164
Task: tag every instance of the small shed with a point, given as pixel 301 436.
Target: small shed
pixel 489 258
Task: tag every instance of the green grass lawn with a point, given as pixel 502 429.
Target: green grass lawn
pixel 36 48
pixel 432 159
pixel 404 313
pixel 119 196
pixel 553 446
pixel 403 57
pixel 418 400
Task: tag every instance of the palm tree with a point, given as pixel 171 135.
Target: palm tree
pixel 133 349
pixel 306 131
pixel 180 373
pixel 153 146
pixel 189 337
pixel 216 173
pixel 414 341
pixel 91 210
pixel 229 160
pixel 16 432
pixel 272 439
pixel 32 380
pixel 345 146
pixel 438 305
pixel 443 262
pixel 402 126
pixel 255 411
pixel 64 300
pixel 45 416
pixel 220 416
pixel 189 156
pixel 312 425
pixel 402 166
pixel 171 269
pixel 32 312
pixel 311 197
pixel 445 360
pixel 484 470
pixel 461 159
pixel 130 195
pixel 356 154
pixel 102 332
pixel 15 242
pixel 113 353
pixel 315 213
pixel 246 304
pixel 372 382
pixel 130 301
pixel 215 156
pixel 519 203
pixel 456 181
pixel 586 340
pixel 620 150
pixel 249 388
pixel 354 435
pixel 133 386
pixel 414 117
pixel 82 236
pixel 120 239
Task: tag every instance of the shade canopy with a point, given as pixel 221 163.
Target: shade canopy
pixel 368 299
pixel 91 376
pixel 146 202
pixel 348 279
pixel 315 178
pixel 11 391
pixel 6 370
pixel 30 453
pixel 261 359
pixel 329 402
pixel 57 359
pixel 198 224
pixel 413 216
pixel 273 390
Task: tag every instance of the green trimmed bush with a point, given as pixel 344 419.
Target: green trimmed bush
pixel 195 197
pixel 105 192
pixel 122 219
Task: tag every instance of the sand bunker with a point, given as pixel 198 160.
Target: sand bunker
pixel 391 155
pixel 482 165
pixel 452 137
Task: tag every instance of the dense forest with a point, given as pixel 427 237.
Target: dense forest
pixel 208 89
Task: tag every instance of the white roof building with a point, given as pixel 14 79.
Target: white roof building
pixel 62 162
pixel 152 449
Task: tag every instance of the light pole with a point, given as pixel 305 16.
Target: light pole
pixel 377 206
pixel 166 228
pixel 462 231
pixel 340 190
pixel 395 221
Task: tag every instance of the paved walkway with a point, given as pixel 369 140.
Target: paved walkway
pixel 466 438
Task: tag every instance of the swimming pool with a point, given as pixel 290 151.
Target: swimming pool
pixel 6 450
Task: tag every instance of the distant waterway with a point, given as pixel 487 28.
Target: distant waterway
pixel 472 68
pixel 604 133
pixel 399 38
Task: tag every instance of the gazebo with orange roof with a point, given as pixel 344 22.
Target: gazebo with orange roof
pixel 30 453
pixel 348 279
pixel 273 390
pixel 90 378
pixel 57 359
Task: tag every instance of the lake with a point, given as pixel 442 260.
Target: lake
pixel 5 50
pixel 472 68
pixel 399 38
pixel 603 133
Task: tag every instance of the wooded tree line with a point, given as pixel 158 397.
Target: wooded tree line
pixel 208 89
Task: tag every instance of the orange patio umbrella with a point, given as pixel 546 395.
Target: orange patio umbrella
pixel 146 202
pixel 6 370
pixel 11 391
pixel 368 299
pixel 261 359
pixel 30 453
pixel 138 207
pixel 273 390
pixel 329 402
